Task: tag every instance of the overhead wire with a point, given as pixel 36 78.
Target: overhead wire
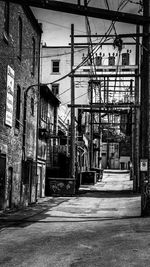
pixel 121 6
pixel 95 49
pixel 113 25
pixel 59 25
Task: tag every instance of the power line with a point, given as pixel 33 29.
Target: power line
pixel 65 91
pixel 48 56
pixel 121 5
pixel 59 25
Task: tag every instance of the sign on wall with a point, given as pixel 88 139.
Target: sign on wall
pixel 144 165
pixel 9 96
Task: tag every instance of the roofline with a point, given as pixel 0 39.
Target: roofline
pixel 51 93
pixel 45 46
pixel 32 18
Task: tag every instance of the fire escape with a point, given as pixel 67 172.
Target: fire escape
pixel 113 91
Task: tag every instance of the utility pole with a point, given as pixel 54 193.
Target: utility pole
pixel 145 101
pixel 145 92
pixel 99 132
pixel 107 101
pixel 92 130
pixel 72 141
pixel 136 168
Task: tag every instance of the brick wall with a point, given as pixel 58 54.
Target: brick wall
pixel 11 138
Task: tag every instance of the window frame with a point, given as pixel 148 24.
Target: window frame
pixel 55 85
pixel 43 110
pixel 33 56
pixel 32 106
pixel 6 20
pixel 55 61
pixel 18 107
pixel 20 35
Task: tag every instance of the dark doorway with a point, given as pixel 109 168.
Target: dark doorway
pixel 29 174
pixel 10 175
pixel 2 180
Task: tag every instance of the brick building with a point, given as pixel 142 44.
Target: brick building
pixel 20 36
pixel 55 65
pixel 48 121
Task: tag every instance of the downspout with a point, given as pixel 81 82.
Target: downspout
pixel 24 120
pixel 24 137
pixel 23 145
pixel 38 110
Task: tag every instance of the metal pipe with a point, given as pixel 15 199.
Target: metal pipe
pixel 72 142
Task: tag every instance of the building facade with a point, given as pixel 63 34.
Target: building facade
pixel 55 69
pixel 47 130
pixel 20 36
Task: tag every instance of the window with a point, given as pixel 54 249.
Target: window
pixel 125 59
pixel 32 106
pixel 33 56
pixel 6 17
pixel 55 89
pixel 20 37
pixel 44 110
pixel 55 66
pixel 111 61
pixel 98 60
pixel 18 106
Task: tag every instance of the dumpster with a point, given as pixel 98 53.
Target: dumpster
pixel 88 177
pixel 60 186
pixel 99 173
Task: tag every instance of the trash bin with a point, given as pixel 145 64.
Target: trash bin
pixel 88 177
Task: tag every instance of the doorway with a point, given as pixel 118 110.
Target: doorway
pixel 40 181
pixel 2 180
pixel 10 182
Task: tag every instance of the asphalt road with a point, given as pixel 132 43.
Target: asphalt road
pixel 92 229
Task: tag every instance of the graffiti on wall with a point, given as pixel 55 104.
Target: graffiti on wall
pixel 61 187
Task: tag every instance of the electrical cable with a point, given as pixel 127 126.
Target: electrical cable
pixel 87 58
pixel 66 116
pixel 64 91
pixel 107 5
pixel 59 25
pixel 108 32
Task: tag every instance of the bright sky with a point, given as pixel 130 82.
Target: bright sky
pixel 57 25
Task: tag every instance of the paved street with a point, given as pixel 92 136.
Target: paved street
pixel 94 228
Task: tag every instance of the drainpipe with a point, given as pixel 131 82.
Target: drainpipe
pixel 38 114
pixel 24 130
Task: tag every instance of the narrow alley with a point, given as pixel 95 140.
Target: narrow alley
pixel 101 226
pixel 74 133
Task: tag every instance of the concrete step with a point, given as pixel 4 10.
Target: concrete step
pixel 115 171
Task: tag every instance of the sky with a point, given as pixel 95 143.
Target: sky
pixel 57 25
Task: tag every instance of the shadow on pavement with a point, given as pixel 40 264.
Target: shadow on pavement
pixel 38 213
pixel 63 219
pixel 107 194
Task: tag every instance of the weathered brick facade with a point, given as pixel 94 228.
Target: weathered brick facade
pixel 15 190
pixel 47 127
